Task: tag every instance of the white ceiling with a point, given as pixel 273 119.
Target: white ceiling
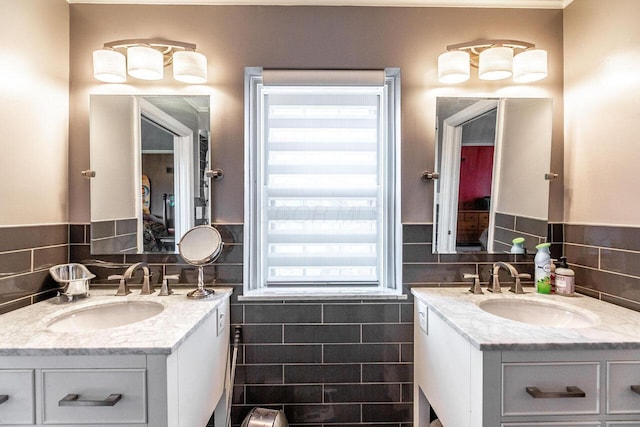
pixel 537 4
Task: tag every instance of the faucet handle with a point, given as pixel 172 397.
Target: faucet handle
pixel 166 289
pixel 123 288
pixel 516 288
pixel 475 287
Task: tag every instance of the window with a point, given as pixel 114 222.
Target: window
pixel 322 211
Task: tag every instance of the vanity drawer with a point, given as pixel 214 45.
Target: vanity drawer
pixel 93 386
pixel 17 396
pixel 621 399
pixel 549 378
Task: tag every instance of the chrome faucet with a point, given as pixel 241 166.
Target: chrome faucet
pixel 494 282
pixel 147 287
pixel 123 288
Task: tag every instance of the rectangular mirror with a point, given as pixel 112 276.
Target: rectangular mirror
pixel 149 155
pixel 492 157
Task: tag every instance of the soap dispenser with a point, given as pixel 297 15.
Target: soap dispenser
pixel 565 278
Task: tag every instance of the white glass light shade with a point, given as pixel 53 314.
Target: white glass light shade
pixel 496 63
pixel 145 63
pixel 453 67
pixel 190 67
pixel 530 66
pixel 109 66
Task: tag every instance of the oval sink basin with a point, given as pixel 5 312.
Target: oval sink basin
pixel 105 316
pixel 539 313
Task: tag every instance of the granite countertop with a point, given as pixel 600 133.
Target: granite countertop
pixel 614 328
pixel 24 332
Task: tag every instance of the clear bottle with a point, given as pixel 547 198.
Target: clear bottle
pixel 565 278
pixel 542 273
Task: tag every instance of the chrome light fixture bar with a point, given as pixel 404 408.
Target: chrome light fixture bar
pixel 495 60
pixel 146 58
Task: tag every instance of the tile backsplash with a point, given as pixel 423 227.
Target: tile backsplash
pixel 606 260
pixel 324 362
pixel 26 254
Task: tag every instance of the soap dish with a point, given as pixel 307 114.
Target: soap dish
pixel 74 278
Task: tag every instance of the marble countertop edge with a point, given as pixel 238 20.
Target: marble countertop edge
pixel 617 327
pixel 24 332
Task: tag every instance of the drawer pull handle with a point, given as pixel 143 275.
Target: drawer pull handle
pixel 73 400
pixel 3 398
pixel 635 388
pixel 572 391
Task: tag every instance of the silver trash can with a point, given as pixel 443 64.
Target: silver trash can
pixel 261 417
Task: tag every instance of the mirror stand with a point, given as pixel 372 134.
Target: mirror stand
pixel 200 246
pixel 201 292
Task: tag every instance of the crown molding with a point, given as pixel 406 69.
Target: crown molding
pixel 513 4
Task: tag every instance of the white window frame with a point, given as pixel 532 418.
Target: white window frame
pixel 390 283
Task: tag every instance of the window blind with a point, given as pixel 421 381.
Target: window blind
pixel 321 184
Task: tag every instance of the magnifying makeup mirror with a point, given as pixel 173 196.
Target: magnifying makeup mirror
pixel 200 246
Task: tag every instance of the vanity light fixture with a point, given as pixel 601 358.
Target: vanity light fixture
pixel 495 60
pixel 146 58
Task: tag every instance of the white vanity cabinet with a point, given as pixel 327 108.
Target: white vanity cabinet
pixel 178 388
pixel 507 386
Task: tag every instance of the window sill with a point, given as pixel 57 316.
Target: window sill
pixel 299 294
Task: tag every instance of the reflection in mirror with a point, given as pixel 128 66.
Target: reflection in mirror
pixel 149 154
pixel 492 156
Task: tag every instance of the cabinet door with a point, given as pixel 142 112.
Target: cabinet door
pixel 552 379
pixel 622 379
pixel 443 372
pixel 17 391
pixel 201 362
pixel 93 386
